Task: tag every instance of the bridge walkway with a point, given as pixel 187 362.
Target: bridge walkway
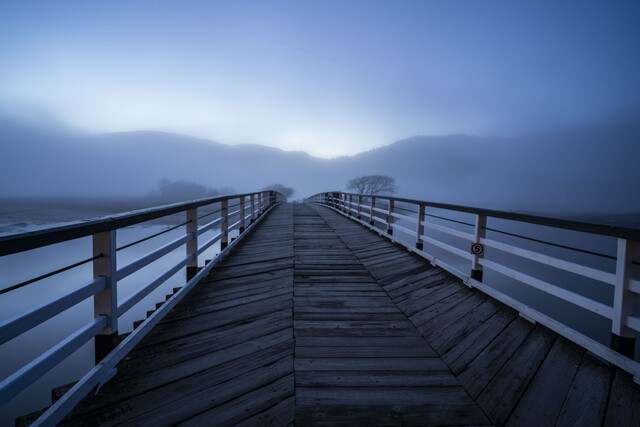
pixel 314 320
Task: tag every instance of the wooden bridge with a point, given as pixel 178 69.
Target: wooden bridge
pixel 312 319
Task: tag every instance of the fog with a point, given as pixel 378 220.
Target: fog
pixel 575 171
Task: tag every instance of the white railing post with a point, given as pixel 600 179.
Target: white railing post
pixel 390 217
pixel 420 229
pixel 371 211
pixel 105 302
pixel 252 201
pixel 224 225
pixel 242 214
pixel 350 204
pixel 192 245
pixel 268 201
pixel 477 248
pixel 359 206
pixel 344 203
pixel 625 302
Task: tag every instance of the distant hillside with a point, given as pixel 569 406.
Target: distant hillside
pixel 584 171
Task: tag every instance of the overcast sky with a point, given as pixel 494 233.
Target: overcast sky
pixel 327 77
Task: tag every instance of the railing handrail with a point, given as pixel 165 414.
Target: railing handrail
pixel 20 242
pixel 567 224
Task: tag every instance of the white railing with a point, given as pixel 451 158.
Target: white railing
pixel 237 212
pixel 438 231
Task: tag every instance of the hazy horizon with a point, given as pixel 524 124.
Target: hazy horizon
pixel 531 106
pixel 327 78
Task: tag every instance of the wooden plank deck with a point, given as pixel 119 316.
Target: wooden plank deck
pixel 314 320
pixel 519 373
pixel 358 359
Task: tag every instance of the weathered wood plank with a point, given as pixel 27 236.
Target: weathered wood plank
pixel 506 388
pixel 375 379
pixel 624 404
pixel 355 352
pixel 543 400
pixel 586 402
pixel 470 346
pixel 483 368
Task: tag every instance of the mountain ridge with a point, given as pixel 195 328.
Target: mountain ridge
pixel 579 171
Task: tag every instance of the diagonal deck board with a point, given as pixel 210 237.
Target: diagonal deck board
pixel 519 374
pixel 314 320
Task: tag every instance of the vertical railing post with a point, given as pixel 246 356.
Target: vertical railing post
pixel 252 201
pixel 105 302
pixel 477 248
pixel 192 245
pixel 359 205
pixel 390 217
pixel 371 211
pixel 420 229
pixel 350 204
pixel 224 225
pixel 344 203
pixel 625 302
pixel 242 214
pixel 266 199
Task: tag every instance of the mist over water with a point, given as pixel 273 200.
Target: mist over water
pixel 581 172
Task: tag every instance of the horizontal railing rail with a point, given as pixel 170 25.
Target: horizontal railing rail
pixel 246 209
pixel 414 224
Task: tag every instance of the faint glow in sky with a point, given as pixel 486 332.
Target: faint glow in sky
pixel 331 77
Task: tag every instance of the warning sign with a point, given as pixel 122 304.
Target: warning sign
pixel 477 249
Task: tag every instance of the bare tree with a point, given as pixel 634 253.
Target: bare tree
pixel 175 191
pixel 283 189
pixel 372 184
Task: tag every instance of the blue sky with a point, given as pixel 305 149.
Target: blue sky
pixel 327 77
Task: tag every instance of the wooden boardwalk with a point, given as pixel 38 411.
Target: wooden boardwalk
pixel 314 320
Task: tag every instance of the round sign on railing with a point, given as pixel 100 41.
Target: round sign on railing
pixel 477 248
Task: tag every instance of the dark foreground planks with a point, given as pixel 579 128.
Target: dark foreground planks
pixel 314 320
pixel 519 373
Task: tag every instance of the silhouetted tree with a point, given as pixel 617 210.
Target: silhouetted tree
pixel 283 189
pixel 372 184
pixel 174 191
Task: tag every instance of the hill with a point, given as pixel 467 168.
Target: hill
pixel 582 171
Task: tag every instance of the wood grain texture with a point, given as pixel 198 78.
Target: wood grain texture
pixel 315 320
pixel 519 374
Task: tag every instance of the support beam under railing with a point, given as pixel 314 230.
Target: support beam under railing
pixel 224 225
pixel 390 217
pixel 242 215
pixel 477 248
pixel 371 210
pixel 420 228
pixel 105 302
pixel 625 302
pixel 192 245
